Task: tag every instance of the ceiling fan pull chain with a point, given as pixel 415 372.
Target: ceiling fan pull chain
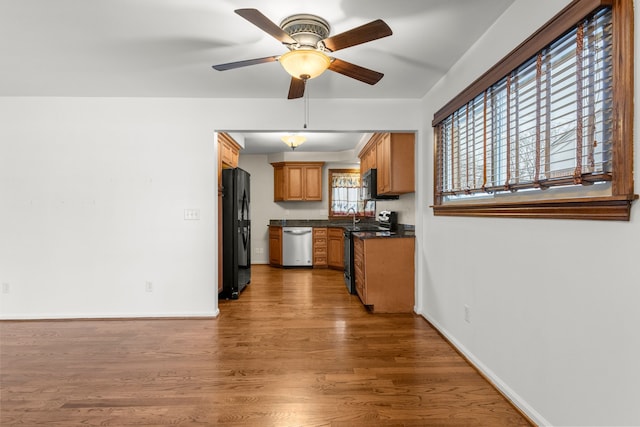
pixel 306 104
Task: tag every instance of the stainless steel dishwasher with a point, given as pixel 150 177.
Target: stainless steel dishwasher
pixel 297 246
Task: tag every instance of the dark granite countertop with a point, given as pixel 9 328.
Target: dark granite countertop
pixel 400 233
pixel 346 224
pixel 363 229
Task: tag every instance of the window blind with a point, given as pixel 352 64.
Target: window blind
pixel 546 123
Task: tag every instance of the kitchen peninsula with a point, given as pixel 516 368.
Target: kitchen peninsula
pixel 378 263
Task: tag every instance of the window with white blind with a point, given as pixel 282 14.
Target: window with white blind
pixel 537 134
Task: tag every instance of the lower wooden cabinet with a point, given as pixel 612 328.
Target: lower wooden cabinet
pixel 328 247
pixel 275 246
pixel 384 273
pixel 335 248
pixel 319 247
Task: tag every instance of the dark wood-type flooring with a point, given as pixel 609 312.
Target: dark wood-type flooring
pixel 294 350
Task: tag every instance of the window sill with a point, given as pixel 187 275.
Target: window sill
pixel 602 208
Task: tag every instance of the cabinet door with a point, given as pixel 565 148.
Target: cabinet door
pixel 278 183
pixel 230 151
pixel 373 161
pixel 275 246
pixel 363 163
pixel 401 167
pixel 359 269
pixel 383 154
pixel 313 183
pixel 294 187
pixel 336 248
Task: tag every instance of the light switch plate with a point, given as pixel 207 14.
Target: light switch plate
pixel 192 214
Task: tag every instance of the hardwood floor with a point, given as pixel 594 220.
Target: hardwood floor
pixel 294 350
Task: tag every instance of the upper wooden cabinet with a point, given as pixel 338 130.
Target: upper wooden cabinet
pixel 392 154
pixel 229 151
pixel 368 158
pixel 297 181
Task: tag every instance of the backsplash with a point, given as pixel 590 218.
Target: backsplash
pixel 405 206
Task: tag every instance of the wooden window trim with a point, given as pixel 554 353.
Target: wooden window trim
pixel 614 207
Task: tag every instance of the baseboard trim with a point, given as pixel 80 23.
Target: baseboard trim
pixel 518 403
pixel 112 316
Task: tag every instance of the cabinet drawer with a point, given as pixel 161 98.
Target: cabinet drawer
pixel 319 260
pixel 320 232
pixel 319 241
pixel 320 251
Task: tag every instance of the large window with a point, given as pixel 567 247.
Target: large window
pixel 542 133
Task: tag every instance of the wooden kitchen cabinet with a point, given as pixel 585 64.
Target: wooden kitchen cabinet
pixel 297 181
pixel 383 154
pixel 358 269
pixel 368 158
pixel 384 273
pixel 229 150
pixel 275 246
pixel 319 247
pixel 394 158
pixel 335 248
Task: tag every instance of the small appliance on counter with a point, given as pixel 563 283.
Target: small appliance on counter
pixel 388 220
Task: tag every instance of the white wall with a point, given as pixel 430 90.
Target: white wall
pixel 554 303
pixel 93 192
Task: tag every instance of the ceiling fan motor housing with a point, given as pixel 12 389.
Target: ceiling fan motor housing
pixel 307 30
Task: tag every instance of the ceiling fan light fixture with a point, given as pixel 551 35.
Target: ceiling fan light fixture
pixel 305 63
pixel 293 141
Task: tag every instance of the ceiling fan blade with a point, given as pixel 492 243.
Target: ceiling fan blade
pixel 238 64
pixel 365 33
pixel 296 88
pixel 265 24
pixel 355 71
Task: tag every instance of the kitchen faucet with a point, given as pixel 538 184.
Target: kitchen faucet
pixel 354 215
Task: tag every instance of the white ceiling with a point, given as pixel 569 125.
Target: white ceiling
pixel 165 48
pixel 317 142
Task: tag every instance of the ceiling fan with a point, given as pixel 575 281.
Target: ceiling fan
pixel 307 38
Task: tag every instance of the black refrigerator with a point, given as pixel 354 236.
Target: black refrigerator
pixel 236 232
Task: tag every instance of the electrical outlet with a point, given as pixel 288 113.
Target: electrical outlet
pixel 259 250
pixel 467 313
pixel 192 214
pixel 148 287
pixel 6 288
